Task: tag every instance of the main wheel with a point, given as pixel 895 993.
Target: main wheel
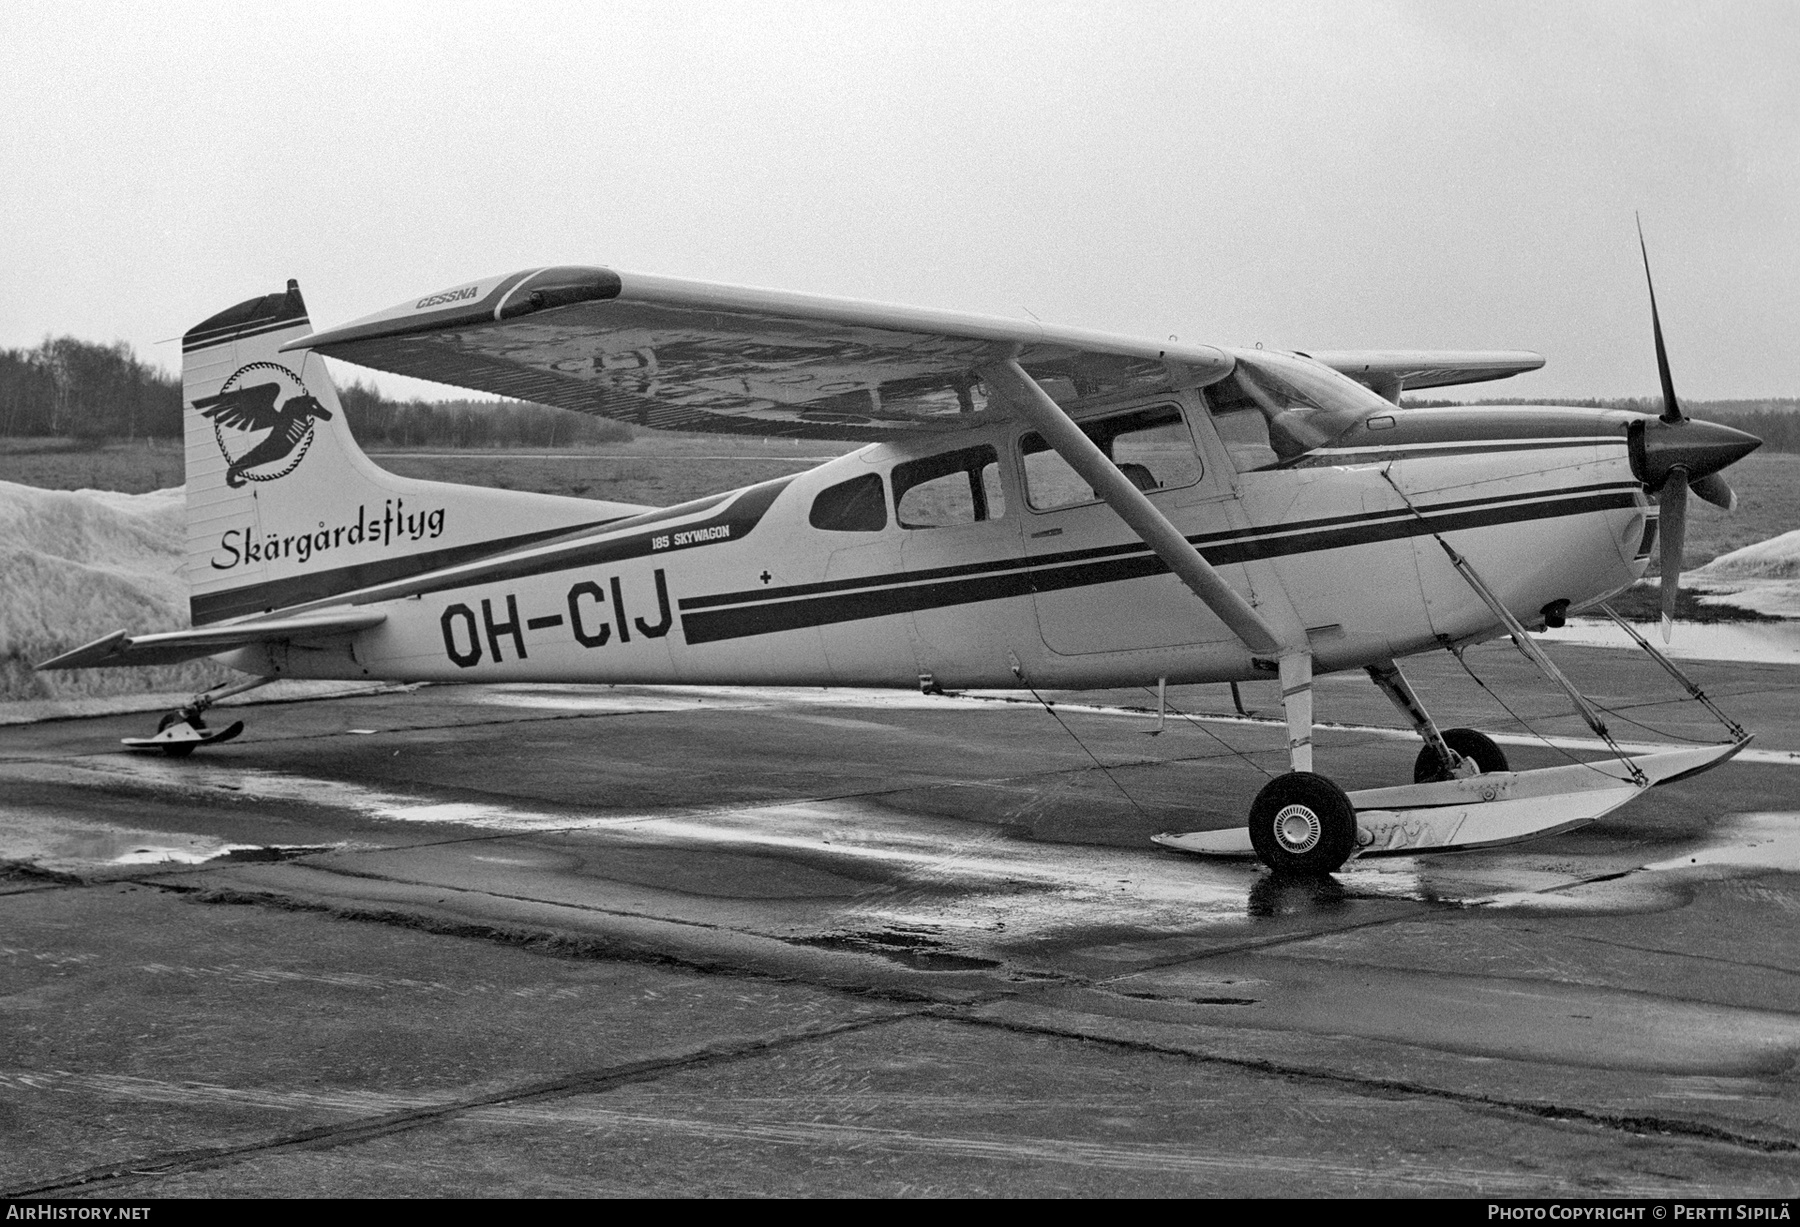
pixel 179 749
pixel 1302 825
pixel 1428 768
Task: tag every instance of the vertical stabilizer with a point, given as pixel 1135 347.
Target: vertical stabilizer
pixel 283 507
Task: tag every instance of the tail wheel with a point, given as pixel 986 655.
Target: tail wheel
pixel 1302 825
pixel 1428 768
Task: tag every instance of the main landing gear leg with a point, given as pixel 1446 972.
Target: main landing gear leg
pixel 1301 824
pixel 180 732
pixel 1448 755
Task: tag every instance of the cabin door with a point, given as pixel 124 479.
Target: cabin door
pixel 1097 586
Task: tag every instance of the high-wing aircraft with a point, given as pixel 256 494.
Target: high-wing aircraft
pixel 1037 506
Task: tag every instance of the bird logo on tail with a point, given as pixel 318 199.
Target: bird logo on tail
pixel 259 397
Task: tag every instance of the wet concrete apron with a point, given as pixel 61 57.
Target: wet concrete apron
pixel 540 941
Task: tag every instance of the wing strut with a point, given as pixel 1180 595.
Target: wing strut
pixel 1293 654
pixel 1098 470
pixel 1061 432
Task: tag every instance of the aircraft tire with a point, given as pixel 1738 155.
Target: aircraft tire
pixel 1470 743
pixel 179 749
pixel 1302 825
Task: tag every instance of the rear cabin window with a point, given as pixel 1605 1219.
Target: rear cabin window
pixel 1152 447
pixel 958 487
pixel 855 506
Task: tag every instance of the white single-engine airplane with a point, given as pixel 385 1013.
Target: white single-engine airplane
pixel 1037 505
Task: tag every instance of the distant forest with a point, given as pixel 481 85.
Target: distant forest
pixel 77 389
pixel 95 393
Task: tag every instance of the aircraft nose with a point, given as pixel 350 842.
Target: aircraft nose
pixel 1699 447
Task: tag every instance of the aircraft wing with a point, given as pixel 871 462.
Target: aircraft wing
pixel 1388 371
pixel 172 647
pixel 689 355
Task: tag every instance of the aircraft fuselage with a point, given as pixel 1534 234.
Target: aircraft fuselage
pixel 746 588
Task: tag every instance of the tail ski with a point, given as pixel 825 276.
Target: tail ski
pixel 283 507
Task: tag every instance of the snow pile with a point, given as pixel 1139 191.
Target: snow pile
pixel 1776 558
pixel 79 564
pixel 1764 576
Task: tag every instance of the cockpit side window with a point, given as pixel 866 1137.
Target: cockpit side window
pixel 855 506
pixel 1242 426
pixel 1152 447
pixel 960 487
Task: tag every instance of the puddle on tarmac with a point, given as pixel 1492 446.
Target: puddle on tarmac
pixel 599 699
pixel 963 877
pixel 70 845
pixel 1753 841
pixel 1747 842
pixel 972 882
pixel 1776 643
pixel 638 698
pixel 909 948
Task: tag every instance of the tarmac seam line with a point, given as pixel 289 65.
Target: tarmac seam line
pixel 1679 954
pixel 1434 911
pixel 1660 1126
pixel 324 1137
pixel 370 876
pixel 550 941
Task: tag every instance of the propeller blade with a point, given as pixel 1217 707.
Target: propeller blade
pixel 1672 528
pixel 1671 407
pixel 1715 490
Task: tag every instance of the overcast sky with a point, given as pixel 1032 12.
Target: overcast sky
pixel 1329 175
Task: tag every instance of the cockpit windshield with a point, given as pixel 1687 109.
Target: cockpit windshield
pixel 1273 408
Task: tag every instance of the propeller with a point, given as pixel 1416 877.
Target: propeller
pixel 1672 526
pixel 1674 454
pixel 1715 490
pixel 1671 407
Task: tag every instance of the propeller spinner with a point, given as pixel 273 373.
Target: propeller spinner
pixel 1673 454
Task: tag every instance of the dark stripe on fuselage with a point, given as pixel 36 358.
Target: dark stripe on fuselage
pixel 1339 457
pixel 349 583
pixel 732 524
pixel 299 589
pixel 1207 543
pixel 907 593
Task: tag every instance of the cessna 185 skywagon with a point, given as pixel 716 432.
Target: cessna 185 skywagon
pixel 1037 506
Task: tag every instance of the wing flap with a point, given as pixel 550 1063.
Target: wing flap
pixel 673 354
pixel 121 649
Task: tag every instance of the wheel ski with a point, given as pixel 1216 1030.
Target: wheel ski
pixel 1484 811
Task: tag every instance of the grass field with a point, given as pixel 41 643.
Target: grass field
pixel 1768 487
pixel 654 469
pixel 658 470
pixel 661 469
pixel 64 464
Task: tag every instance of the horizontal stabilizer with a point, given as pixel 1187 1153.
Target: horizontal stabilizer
pixel 1391 371
pixel 120 649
